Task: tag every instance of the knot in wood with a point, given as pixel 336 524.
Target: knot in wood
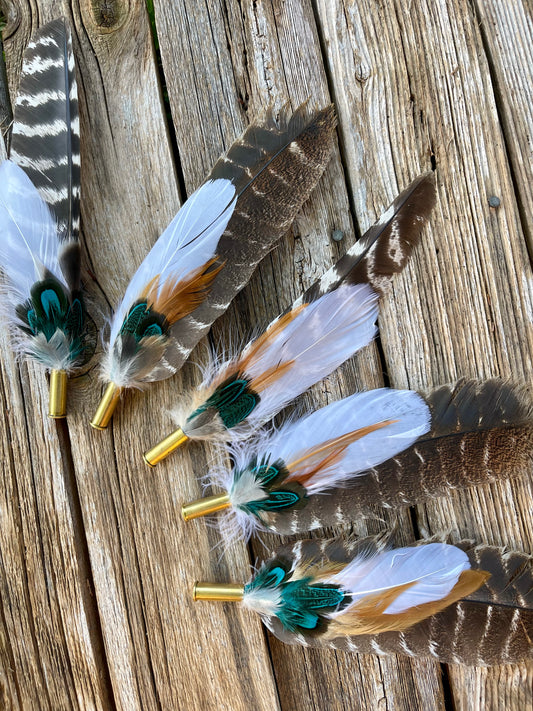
pixel 107 14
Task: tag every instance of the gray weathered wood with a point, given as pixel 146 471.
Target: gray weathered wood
pixel 96 566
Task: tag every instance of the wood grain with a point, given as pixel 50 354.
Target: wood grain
pixel 476 261
pixel 96 566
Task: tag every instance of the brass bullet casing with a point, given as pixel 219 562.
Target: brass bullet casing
pixel 165 447
pixel 107 406
pixel 57 406
pixel 227 592
pixel 206 506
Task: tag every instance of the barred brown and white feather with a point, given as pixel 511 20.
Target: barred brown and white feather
pixel 291 159
pixel 385 248
pixel 481 432
pixel 39 209
pixel 493 625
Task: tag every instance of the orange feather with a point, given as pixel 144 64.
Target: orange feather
pixel 254 351
pixel 176 299
pixel 328 453
pixel 367 616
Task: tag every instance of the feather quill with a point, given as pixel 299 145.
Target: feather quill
pixel 214 243
pixel 323 328
pixel 481 432
pixel 460 604
pixel 492 623
pixel 39 211
pixel 281 470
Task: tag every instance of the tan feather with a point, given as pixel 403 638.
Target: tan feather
pixel 253 352
pixel 176 299
pixel 270 376
pixel 368 616
pixel 328 453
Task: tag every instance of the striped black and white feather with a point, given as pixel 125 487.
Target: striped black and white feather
pixel 39 209
pixel 281 470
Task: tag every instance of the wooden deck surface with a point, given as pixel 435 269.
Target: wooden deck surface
pixel 96 565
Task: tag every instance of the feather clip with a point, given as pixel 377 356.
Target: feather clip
pixel 326 326
pixel 39 215
pixel 281 470
pixel 460 604
pixel 211 248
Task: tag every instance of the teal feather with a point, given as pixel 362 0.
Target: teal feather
pixel 301 604
pixel 143 322
pixel 233 400
pixel 49 310
pixel 270 477
pixel 276 500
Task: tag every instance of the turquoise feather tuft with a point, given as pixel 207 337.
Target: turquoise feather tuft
pixel 268 478
pixel 143 322
pixel 51 309
pixel 233 400
pixel 299 603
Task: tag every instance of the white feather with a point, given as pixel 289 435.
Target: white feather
pixel 319 340
pixel 188 242
pixel 264 600
pixel 324 335
pixel 293 440
pixel 28 243
pixel 434 570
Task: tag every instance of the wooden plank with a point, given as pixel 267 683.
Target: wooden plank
pixel 158 646
pixel 472 315
pixel 506 31
pixel 96 608
pixel 270 56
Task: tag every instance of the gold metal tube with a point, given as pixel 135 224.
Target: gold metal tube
pixel 57 406
pixel 206 506
pixel 165 447
pixel 228 592
pixel 107 406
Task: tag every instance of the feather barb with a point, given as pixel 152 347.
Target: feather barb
pixel 328 453
pixel 368 615
pixel 175 300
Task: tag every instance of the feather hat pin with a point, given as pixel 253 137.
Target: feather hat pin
pixel 209 251
pixel 325 327
pixel 481 432
pixel 39 215
pixel 460 604
pixel 317 453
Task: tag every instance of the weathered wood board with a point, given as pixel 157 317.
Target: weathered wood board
pixel 96 566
